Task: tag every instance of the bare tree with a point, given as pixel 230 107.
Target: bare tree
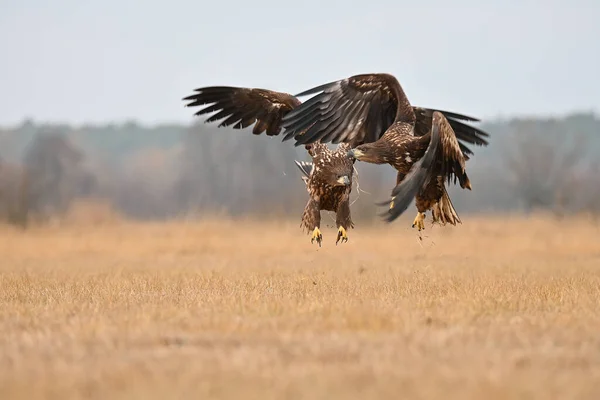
pixel 14 192
pixel 238 173
pixel 589 182
pixel 55 174
pixel 544 163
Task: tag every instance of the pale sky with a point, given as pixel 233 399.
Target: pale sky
pixel 81 61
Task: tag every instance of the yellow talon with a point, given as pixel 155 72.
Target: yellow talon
pixel 341 235
pixel 419 221
pixel 317 236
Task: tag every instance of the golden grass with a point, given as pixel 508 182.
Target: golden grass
pixel 500 307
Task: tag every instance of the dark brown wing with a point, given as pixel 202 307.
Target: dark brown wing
pixel 244 106
pixel 450 159
pixel 464 133
pixel 443 157
pixel 355 110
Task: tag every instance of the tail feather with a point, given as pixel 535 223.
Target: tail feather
pixel 443 211
pixel 305 167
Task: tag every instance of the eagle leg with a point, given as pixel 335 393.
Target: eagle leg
pixel 342 234
pixel 311 220
pixel 435 198
pixel 419 221
pixel 343 220
pixel 317 236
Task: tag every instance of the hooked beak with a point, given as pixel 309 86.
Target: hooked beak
pixel 344 180
pixel 355 153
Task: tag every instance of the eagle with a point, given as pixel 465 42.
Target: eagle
pixel 328 180
pixel 372 114
pixel 328 177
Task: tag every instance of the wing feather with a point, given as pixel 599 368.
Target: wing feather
pixel 240 107
pixel 340 133
pixel 464 133
pixel 443 157
pixel 416 179
pixel 451 158
pixel 341 123
pixel 315 114
pixel 352 110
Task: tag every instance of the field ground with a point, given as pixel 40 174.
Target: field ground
pixel 501 307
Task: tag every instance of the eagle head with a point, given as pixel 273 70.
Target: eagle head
pixel 355 154
pixel 372 153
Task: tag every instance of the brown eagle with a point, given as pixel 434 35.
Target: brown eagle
pixel 372 114
pixel 328 180
pixel 328 177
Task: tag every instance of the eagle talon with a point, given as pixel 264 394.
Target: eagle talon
pixel 419 221
pixel 316 236
pixel 342 234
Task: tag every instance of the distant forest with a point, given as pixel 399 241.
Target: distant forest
pixel 174 171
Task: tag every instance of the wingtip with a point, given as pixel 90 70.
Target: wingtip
pixel 315 89
pixel 468 185
pixel 383 203
pixel 388 216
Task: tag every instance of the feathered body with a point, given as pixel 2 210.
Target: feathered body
pixel 328 178
pixel 372 114
pixel 328 181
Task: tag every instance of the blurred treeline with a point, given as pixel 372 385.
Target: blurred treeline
pixel 177 171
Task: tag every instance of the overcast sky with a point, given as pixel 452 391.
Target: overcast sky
pixel 110 60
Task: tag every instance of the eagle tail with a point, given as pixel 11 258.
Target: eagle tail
pixel 443 211
pixel 305 167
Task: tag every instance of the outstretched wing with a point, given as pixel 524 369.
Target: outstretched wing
pixel 355 110
pixel 443 157
pixel 241 107
pixel 464 133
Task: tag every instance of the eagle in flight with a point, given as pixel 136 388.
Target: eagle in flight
pixel 328 177
pixel 372 114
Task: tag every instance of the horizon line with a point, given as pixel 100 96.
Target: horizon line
pixel 498 117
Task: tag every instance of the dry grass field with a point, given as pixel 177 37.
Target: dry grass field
pixel 498 308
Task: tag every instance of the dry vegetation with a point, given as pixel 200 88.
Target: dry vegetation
pixel 498 308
